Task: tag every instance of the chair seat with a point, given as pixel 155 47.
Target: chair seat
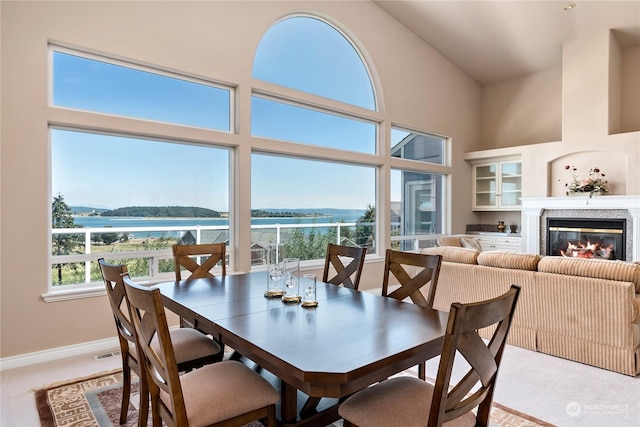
pixel 222 391
pixel 392 403
pixel 188 345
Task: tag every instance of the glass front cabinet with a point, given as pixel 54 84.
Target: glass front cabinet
pixel 497 185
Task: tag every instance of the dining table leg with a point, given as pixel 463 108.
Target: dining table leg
pixel 288 403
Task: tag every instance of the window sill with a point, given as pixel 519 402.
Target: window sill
pixel 75 293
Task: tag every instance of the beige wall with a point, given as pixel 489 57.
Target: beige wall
pixel 585 114
pixel 420 89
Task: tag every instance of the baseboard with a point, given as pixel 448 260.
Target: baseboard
pixel 100 346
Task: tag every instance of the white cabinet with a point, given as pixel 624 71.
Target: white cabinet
pixel 497 185
pixel 500 242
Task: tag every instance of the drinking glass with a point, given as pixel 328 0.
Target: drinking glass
pixel 309 288
pixel 291 279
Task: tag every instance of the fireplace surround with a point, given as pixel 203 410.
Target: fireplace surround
pixel 535 212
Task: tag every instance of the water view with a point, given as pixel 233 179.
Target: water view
pixel 344 215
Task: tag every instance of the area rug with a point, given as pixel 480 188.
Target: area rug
pixel 95 402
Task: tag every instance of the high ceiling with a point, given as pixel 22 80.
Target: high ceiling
pixel 498 40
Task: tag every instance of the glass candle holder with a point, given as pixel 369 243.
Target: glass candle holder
pixel 275 270
pixel 309 298
pixel 291 280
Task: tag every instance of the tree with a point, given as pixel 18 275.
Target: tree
pixel 364 234
pixel 62 244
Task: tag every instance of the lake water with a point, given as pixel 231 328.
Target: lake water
pixel 137 222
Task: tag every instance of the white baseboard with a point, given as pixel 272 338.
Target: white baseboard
pixel 100 346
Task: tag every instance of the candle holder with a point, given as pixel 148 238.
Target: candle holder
pixel 309 291
pixel 291 280
pixel 275 270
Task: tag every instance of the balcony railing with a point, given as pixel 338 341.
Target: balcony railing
pixel 261 237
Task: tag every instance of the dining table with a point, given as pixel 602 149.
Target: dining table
pixel 316 356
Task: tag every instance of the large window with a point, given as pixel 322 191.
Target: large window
pixel 129 199
pixel 316 203
pixel 124 197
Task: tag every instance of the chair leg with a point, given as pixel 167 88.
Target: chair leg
pixel 126 393
pixel 143 412
pixel 422 371
pixel 270 419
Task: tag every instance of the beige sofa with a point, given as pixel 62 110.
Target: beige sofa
pixel 578 309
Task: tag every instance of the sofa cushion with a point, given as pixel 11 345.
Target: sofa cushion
pixel 454 254
pixel 599 269
pixel 505 259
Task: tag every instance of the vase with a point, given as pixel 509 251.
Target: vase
pixel 501 226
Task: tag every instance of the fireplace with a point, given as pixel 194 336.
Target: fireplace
pixel 586 238
pixel 535 212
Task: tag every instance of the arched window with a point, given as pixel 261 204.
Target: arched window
pixel 323 195
pixel 308 54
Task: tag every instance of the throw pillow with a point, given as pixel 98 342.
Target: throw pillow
pixel 471 243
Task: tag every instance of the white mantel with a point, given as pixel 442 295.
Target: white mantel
pixel 532 209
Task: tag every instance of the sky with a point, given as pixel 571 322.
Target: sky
pixel 108 171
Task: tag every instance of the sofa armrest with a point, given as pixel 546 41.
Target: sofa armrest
pixel 635 310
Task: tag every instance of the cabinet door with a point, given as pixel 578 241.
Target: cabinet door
pixel 485 185
pixel 510 185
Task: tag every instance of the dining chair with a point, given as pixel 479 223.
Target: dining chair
pixel 408 401
pixel 227 393
pixel 193 349
pixel 213 253
pixel 347 263
pixel 183 257
pixel 412 271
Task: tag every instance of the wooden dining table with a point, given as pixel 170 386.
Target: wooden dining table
pixel 315 356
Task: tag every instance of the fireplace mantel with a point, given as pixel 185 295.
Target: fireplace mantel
pixel 532 209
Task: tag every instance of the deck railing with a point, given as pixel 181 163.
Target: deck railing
pixel 154 256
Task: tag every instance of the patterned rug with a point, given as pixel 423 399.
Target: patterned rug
pixel 95 402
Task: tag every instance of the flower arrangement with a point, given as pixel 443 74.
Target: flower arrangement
pixel 593 183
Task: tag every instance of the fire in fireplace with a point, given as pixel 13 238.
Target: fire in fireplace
pixel 586 238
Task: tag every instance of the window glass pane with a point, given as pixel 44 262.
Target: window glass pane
pixel 312 203
pixel 417 201
pixel 310 55
pixel 137 196
pixel 418 146
pixel 104 87
pixel 271 119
